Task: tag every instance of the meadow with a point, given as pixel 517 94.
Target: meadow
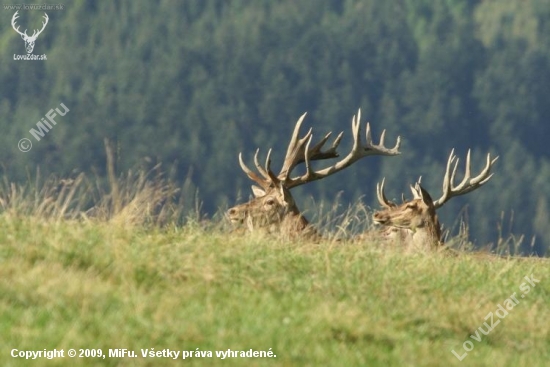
pixel 124 275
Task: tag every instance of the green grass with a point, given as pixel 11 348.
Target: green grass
pixel 86 264
pixel 101 284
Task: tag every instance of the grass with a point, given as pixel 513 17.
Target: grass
pixel 88 284
pixel 87 266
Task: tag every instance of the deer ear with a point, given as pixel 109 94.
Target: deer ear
pixel 258 191
pixel 426 198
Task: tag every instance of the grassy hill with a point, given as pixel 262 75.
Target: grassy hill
pixel 124 275
pixel 104 285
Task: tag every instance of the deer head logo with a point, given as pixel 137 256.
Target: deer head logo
pixel 29 40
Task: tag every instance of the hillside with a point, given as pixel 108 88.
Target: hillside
pixel 70 280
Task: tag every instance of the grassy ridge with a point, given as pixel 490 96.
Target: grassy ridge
pixel 101 284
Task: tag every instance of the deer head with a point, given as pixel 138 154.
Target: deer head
pixel 267 210
pixel 416 219
pixel 29 40
pixel 273 208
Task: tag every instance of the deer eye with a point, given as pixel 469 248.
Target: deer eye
pixel 270 202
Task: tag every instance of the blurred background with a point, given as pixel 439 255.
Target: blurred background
pixel 192 83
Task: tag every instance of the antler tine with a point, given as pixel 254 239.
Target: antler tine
pixel 468 183
pixel 315 153
pixel 488 166
pixel 482 177
pixel 368 134
pixel 263 172
pixel 381 196
pixel 268 161
pixel 382 136
pixel 295 150
pixel 295 132
pixel 253 176
pixel 467 173
pixel 308 173
pixel 448 177
pixel 270 173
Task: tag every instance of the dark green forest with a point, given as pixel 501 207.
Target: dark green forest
pixel 192 83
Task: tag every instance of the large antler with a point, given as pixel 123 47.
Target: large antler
pixel 468 184
pixel 299 151
pixel 296 153
pixel 358 151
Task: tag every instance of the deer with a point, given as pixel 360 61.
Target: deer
pixel 414 223
pixel 29 40
pixel 273 209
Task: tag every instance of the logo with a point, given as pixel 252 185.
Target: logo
pixel 29 40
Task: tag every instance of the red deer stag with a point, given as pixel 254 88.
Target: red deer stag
pixel 273 209
pixel 414 223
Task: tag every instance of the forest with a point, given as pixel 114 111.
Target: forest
pixel 190 84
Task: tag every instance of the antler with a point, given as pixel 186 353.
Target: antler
pixel 297 148
pixel 296 153
pixel 358 151
pixel 34 34
pixel 468 184
pixel 384 202
pixel 382 197
pixel 299 151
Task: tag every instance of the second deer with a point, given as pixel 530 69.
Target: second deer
pixel 414 223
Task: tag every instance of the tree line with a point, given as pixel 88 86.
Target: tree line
pixel 193 83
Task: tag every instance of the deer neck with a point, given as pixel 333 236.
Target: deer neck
pixel 294 220
pixel 295 224
pixel 428 236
